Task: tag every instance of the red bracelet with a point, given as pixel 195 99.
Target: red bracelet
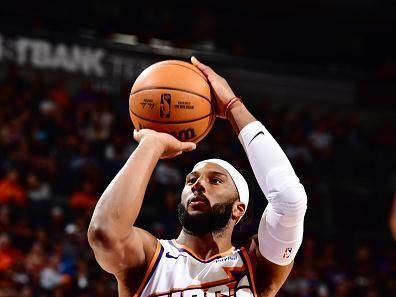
pixel 230 103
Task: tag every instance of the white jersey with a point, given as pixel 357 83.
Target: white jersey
pixel 176 272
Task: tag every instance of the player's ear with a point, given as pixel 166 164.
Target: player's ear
pixel 238 209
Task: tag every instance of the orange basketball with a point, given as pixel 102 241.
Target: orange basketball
pixel 173 97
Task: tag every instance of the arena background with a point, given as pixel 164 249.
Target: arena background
pixel 321 75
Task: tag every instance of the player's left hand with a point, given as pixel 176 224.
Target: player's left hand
pixel 221 89
pixel 170 146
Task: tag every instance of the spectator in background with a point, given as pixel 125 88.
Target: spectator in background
pixel 59 95
pixel 102 121
pixel 11 132
pixel 84 198
pixel 35 259
pixel 39 197
pixel 26 292
pixel 21 230
pixel 321 139
pixel 11 190
pixel 9 255
pixel 167 174
pixel 87 97
pixel 344 287
pixel 116 152
pixel 56 225
pixel 51 277
pixel 82 276
pixel 297 148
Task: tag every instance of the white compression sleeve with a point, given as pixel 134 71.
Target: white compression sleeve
pixel 281 227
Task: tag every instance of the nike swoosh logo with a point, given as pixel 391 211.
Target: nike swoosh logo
pixel 261 132
pixel 168 255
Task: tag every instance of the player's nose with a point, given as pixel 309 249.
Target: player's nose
pixel 198 186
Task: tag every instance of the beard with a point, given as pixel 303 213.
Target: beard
pixel 215 220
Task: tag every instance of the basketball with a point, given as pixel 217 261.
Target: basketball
pixel 173 97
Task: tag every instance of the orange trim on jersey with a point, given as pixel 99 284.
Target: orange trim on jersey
pixel 223 254
pixel 250 268
pixel 149 269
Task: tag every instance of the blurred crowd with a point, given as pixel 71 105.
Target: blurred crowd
pixel 60 148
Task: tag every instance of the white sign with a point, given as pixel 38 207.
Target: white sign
pixel 74 58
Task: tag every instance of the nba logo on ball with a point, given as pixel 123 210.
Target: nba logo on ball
pixel 165 105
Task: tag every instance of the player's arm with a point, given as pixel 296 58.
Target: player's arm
pixel 281 226
pixel 116 243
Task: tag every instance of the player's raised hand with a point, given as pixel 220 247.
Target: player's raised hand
pixel 170 146
pixel 221 89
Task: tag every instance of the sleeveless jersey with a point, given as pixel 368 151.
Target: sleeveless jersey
pixel 175 271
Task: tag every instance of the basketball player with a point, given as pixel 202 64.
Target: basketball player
pixel 201 261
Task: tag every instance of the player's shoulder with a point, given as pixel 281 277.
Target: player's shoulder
pixel 148 242
pixel 146 236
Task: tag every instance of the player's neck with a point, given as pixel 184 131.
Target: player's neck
pixel 207 245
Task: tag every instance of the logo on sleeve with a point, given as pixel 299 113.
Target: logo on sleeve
pixel 287 253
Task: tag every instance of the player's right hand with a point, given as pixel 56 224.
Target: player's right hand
pixel 220 87
pixel 170 145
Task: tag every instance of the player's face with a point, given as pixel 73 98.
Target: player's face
pixel 208 184
pixel 208 199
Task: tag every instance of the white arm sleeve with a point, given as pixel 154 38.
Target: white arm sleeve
pixel 281 227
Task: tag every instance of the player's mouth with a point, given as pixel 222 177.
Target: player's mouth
pixel 198 201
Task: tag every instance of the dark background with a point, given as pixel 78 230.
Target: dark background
pixel 358 33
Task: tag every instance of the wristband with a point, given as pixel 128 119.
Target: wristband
pixel 230 103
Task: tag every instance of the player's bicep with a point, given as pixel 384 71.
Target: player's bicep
pixel 136 250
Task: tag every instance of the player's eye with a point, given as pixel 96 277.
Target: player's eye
pixel 191 180
pixel 216 181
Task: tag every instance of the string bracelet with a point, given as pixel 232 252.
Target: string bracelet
pixel 230 103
